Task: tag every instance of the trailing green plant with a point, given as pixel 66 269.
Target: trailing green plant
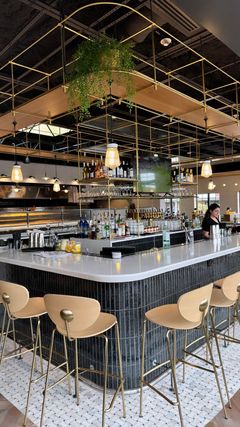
pixel 97 64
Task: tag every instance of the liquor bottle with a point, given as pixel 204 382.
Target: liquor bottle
pixel 130 170
pixel 87 171
pixel 187 175
pixel 121 170
pixel 166 236
pixel 124 169
pixel 85 228
pixel 101 172
pixel 97 170
pixel 191 176
pixel 92 170
pixel 174 176
pixel 182 175
pixel 81 222
pixel 84 171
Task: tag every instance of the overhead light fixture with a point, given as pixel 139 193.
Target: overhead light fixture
pixel 166 41
pixel 155 155
pixel 56 182
pixel 16 174
pixel 112 159
pixel 16 189
pixel 236 184
pixel 211 185
pixel 65 190
pixel 46 178
pixel 206 171
pixel 27 160
pixel 56 185
pixel 75 181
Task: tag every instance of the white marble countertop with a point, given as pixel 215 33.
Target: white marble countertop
pixel 127 269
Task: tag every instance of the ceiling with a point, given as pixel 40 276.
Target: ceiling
pixel 40 45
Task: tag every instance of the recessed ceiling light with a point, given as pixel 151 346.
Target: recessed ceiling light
pixel 155 155
pixel 224 185
pixel 236 183
pixel 166 41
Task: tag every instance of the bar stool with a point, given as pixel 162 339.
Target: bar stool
pixel 18 305
pixel 77 318
pixel 226 294
pixel 189 313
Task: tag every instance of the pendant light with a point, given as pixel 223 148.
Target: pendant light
pixel 112 159
pixel 206 171
pixel 56 183
pixel 211 185
pixel 16 174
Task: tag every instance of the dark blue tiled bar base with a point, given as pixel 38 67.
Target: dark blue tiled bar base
pixel 128 301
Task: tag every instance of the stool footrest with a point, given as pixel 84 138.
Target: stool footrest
pixel 172 402
pixel 199 358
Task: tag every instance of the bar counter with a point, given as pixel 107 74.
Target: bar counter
pixel 128 288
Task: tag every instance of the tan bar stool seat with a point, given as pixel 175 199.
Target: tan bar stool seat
pixel 170 317
pixel 103 323
pixel 190 312
pixel 19 305
pixel 226 294
pixel 78 318
pixel 35 307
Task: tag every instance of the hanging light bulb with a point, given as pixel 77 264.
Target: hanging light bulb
pixel 206 171
pixel 112 159
pixel 65 190
pixel 211 185
pixel 56 182
pixel 56 185
pixel 16 174
pixel 46 178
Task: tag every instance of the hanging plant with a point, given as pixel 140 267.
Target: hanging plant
pixel 97 64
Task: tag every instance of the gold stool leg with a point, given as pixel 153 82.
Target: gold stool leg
pixel 67 364
pixel 220 359
pixel 184 355
pixel 76 373
pixel 40 347
pixel 4 341
pixel 47 376
pixel 142 367
pixel 31 374
pixel 105 379
pixel 3 325
pixel 173 368
pixel 120 369
pixel 214 366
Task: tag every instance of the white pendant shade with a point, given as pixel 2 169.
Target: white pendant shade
pixel 211 185
pixel 56 186
pixel 16 175
pixel 206 171
pixel 112 159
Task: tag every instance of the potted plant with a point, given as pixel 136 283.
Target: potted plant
pixel 97 64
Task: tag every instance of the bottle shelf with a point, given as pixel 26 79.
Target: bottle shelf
pixel 105 181
pixel 176 184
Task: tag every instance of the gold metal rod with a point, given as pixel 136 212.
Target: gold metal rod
pixel 76 32
pixel 29 68
pixel 220 87
pixel 184 66
pixel 138 32
pixel 31 85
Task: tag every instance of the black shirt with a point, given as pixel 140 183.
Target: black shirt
pixel 207 222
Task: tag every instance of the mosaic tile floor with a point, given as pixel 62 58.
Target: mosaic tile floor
pixel 200 402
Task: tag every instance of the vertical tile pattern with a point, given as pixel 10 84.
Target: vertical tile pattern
pixel 128 301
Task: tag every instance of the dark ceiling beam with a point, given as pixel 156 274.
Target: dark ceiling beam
pixel 24 30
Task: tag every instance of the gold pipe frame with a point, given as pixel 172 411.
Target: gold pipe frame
pixel 29 68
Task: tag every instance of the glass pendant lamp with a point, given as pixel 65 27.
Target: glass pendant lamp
pixel 206 171
pixel 16 173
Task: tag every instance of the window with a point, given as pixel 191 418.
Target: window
pixel 204 200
